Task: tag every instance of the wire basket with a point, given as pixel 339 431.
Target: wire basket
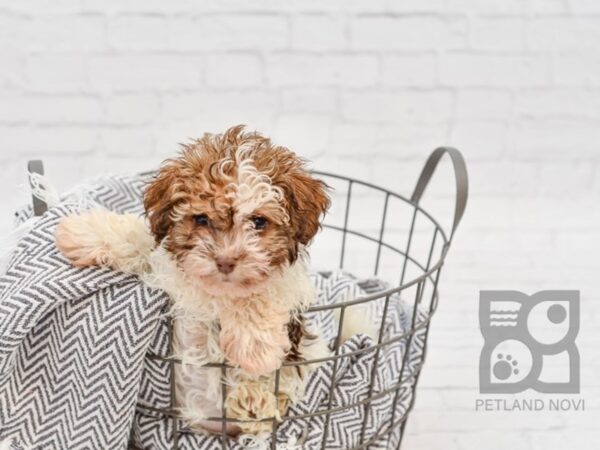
pixel 409 254
pixel 416 278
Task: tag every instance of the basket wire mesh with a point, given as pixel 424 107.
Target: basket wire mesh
pixel 428 273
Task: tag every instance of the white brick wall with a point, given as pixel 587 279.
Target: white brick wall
pixel 365 88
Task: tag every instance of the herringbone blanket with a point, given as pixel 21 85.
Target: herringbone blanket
pixel 74 345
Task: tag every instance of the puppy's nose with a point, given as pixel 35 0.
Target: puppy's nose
pixel 225 265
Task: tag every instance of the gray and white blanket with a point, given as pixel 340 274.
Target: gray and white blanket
pixel 74 345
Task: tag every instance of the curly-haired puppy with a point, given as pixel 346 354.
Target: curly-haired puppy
pixel 228 220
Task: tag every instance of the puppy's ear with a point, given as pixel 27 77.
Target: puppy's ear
pixel 308 202
pixel 306 196
pixel 158 200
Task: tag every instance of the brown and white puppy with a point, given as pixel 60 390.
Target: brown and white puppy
pixel 228 222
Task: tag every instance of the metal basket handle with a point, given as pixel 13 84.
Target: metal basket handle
pixel 39 206
pixel 460 173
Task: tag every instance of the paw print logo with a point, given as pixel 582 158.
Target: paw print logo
pixel 505 367
pixel 522 334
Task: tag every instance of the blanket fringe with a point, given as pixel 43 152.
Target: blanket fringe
pixel 78 197
pixel 42 189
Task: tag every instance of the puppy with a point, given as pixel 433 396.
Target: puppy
pixel 228 222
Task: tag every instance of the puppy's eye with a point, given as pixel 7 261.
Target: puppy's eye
pixel 201 220
pixel 259 222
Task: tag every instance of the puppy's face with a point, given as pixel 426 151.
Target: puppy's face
pixel 234 209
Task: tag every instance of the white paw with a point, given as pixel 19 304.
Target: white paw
pixel 77 240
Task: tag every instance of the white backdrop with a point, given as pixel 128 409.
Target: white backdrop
pixel 366 88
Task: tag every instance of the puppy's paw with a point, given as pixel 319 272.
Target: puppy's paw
pixel 105 238
pixel 77 239
pixel 253 402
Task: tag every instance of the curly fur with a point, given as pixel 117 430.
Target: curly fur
pixel 248 315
